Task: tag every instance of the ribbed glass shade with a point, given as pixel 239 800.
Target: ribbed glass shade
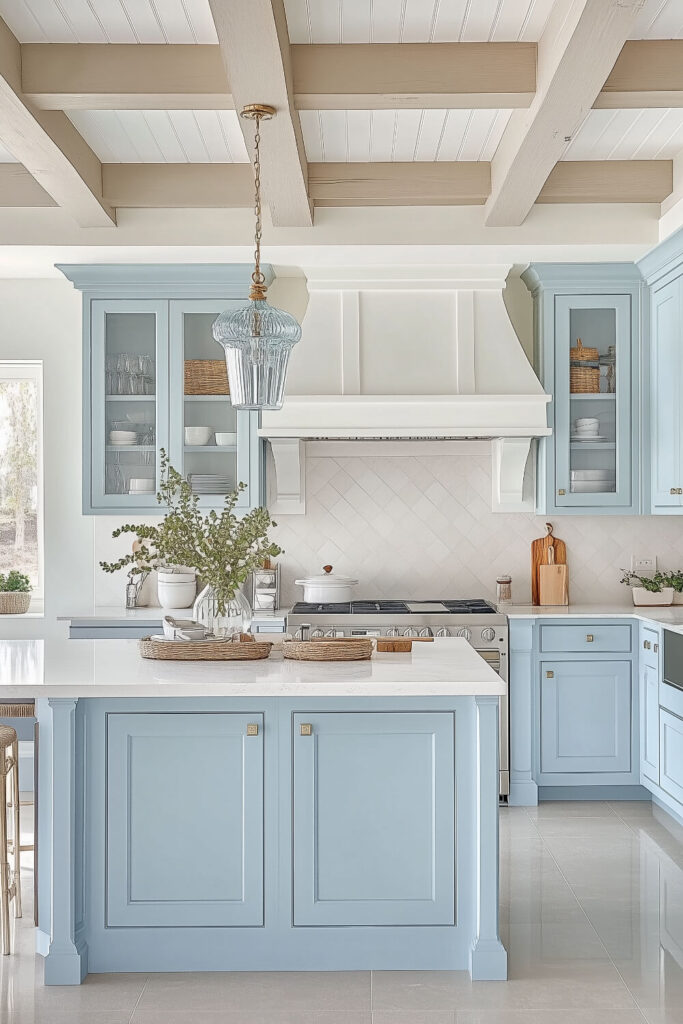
pixel 257 340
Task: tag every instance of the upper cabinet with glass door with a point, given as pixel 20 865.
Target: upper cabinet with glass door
pixel 588 334
pixel 155 379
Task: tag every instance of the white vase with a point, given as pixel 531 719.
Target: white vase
pixel 643 597
pixel 237 617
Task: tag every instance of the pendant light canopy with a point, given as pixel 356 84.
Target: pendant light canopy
pixel 257 338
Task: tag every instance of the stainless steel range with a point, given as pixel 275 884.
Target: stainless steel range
pixel 475 620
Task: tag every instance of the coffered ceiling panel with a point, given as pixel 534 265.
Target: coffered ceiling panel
pixel 162 136
pixel 402 135
pixel 660 19
pixel 652 134
pixel 109 21
pixel 416 21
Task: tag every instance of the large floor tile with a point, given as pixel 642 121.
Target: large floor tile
pixel 256 992
pixel 98 993
pixel 39 1015
pixel 571 809
pixel 610 828
pixel 549 1017
pixel 247 1017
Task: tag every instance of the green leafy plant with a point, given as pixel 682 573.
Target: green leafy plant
pixel 654 584
pixel 673 578
pixel 14 582
pixel 222 546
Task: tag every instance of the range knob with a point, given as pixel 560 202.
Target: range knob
pixel 332 632
pixel 393 631
pixel 427 631
pixel 488 634
pixel 444 631
pixel 464 632
pixel 317 633
pixel 410 631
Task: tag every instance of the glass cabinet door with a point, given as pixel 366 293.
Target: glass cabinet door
pixel 593 404
pixel 211 442
pixel 129 398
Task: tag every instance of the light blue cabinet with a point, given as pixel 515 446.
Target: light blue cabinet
pixel 649 663
pixel 374 825
pixel 184 840
pixel 671 754
pixel 598 305
pixel 585 722
pixel 140 325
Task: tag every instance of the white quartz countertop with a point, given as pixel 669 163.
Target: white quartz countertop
pixel 670 616
pixel 115 615
pixel 114 668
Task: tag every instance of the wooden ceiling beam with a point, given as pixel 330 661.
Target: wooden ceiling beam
pixel 18 188
pixel 444 183
pixel 48 145
pixel 648 73
pixel 255 48
pixel 576 53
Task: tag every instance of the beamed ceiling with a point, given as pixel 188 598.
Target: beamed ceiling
pixel 504 104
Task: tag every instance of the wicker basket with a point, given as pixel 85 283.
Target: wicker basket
pixel 583 379
pixel 203 650
pixel 14 602
pixel 352 649
pixel 206 377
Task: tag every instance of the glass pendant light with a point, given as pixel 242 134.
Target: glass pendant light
pixel 257 338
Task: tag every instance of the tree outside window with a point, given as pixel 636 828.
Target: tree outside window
pixel 20 470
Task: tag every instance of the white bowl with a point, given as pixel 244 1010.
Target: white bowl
pixel 176 595
pixel 592 474
pixel 587 421
pixel 141 483
pixel 174 579
pixel 198 435
pixel 225 437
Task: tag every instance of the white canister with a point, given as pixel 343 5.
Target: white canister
pixel 176 595
pixel 330 588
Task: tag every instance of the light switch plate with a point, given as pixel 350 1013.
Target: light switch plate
pixel 643 565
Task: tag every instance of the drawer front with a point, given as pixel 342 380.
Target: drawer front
pixel 588 638
pixel 671 698
pixel 671 754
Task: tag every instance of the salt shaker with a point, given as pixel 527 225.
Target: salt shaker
pixel 504 590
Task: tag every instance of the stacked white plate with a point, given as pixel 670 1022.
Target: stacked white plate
pixel 209 483
pixel 123 437
pixel 593 481
pixel 140 485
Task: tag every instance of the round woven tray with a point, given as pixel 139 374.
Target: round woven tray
pixel 353 649
pixel 203 650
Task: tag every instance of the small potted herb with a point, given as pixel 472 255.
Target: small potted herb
pixel 649 590
pixel 15 593
pixel 674 578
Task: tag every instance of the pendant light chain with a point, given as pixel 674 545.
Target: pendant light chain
pixel 257 277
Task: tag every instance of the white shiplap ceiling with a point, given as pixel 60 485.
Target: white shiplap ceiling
pixel 109 21
pixel 659 19
pixel 162 136
pixel 402 135
pixel 650 134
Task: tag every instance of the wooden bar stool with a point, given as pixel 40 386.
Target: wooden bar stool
pixel 9 890
pixel 23 709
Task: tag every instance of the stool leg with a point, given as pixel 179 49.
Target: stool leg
pixel 4 860
pixel 17 831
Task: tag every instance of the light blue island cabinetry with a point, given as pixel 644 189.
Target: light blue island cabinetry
pixel 141 325
pixel 600 306
pixel 304 817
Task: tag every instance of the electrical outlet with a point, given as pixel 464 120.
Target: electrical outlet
pixel 643 565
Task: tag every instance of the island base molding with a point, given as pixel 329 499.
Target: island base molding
pixel 202 834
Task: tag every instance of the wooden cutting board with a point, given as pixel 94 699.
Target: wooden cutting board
pixel 539 556
pixel 552 581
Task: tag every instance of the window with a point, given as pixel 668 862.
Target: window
pixel 21 470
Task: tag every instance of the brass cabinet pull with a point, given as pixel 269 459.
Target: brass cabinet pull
pixel 306 729
pixel 589 638
pixel 562 491
pixel 676 490
pixel 252 728
pixel 656 648
pixel 647 645
pixel 550 674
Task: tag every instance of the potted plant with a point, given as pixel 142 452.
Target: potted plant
pixel 15 593
pixel 648 590
pixel 674 578
pixel 222 547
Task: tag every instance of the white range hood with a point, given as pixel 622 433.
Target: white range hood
pixel 407 352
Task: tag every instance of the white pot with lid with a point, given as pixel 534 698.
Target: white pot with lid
pixel 330 588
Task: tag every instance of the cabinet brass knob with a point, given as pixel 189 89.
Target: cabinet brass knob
pixel 252 728
pixel 676 490
pixel 589 638
pixel 656 648
pixel 562 491
pixel 550 675
pixel 306 729
pixel 647 645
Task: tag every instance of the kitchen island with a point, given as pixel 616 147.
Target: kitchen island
pixel 268 815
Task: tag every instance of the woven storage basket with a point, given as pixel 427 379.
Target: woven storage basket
pixel 353 649
pixel 583 379
pixel 203 650
pixel 206 377
pixel 14 602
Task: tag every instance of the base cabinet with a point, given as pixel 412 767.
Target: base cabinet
pixel 585 722
pixel 671 754
pixel 374 825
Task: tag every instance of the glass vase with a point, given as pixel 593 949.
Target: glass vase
pixel 237 617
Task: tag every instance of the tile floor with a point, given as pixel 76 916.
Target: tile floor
pixel 591 912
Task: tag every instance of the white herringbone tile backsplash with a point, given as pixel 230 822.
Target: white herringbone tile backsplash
pixel 421 527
